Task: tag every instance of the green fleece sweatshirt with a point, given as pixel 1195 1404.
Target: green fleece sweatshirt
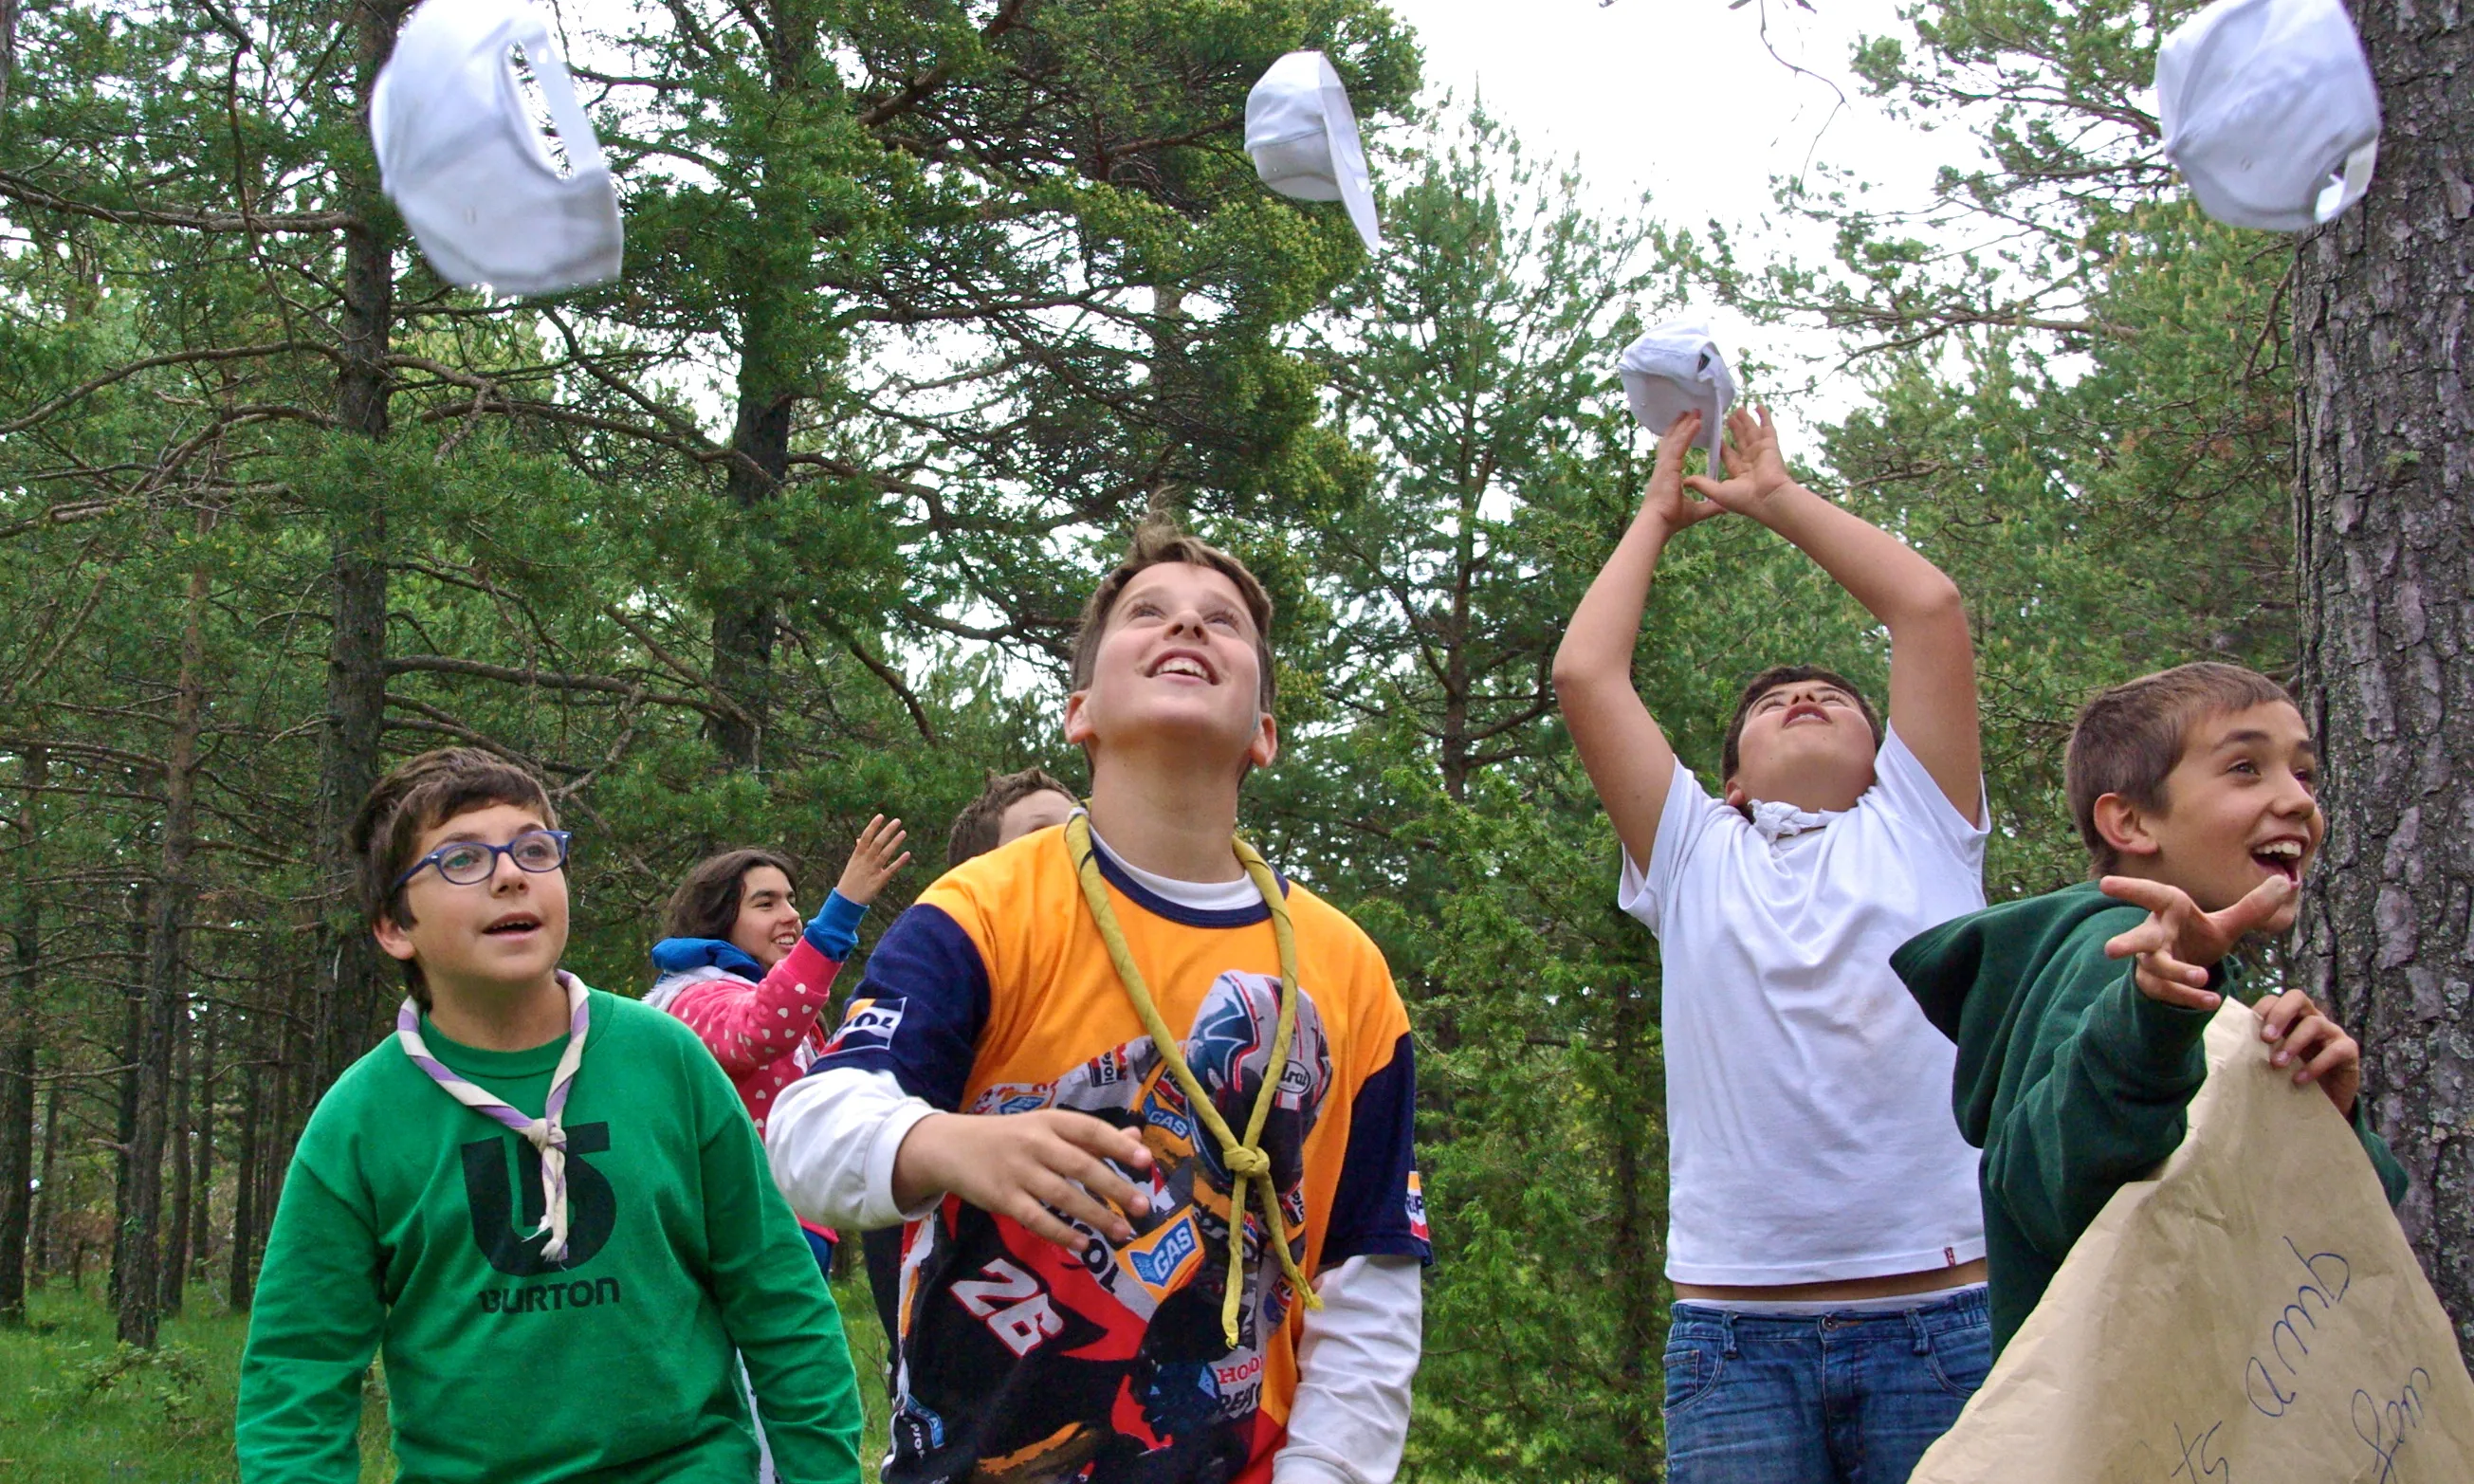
pixel 2072 1082
pixel 406 1224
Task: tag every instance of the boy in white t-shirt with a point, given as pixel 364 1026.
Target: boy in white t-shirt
pixel 1825 1241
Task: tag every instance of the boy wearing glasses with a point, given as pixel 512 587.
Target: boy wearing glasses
pixel 517 1192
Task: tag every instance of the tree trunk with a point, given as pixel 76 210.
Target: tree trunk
pixel 244 1227
pixel 771 300
pixel 2386 429
pixel 8 46
pixel 47 1200
pixel 144 1279
pixel 346 986
pixel 743 618
pixel 133 1034
pixel 176 1224
pixel 17 1036
pixel 202 1203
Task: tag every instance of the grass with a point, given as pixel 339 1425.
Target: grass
pixel 76 1408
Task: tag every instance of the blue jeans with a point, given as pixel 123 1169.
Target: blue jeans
pixel 1820 1398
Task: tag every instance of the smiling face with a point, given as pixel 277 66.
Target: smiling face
pixel 2239 807
pixel 1806 743
pixel 768 924
pixel 495 936
pixel 1177 668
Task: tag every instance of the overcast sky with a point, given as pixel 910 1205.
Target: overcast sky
pixel 1682 100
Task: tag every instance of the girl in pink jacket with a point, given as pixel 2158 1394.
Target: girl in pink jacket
pixel 739 967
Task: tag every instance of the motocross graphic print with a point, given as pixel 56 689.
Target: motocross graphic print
pixel 1022 1363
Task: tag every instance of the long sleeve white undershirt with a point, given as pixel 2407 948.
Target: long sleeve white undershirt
pixel 832 1140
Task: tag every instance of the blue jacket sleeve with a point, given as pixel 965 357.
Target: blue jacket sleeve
pixel 834 928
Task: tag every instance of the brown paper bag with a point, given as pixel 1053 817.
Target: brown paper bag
pixel 2251 1314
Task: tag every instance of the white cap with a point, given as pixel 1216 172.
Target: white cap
pixel 2270 111
pixel 1303 137
pixel 461 158
pixel 1676 369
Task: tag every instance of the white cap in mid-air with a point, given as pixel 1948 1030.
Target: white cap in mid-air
pixel 1676 369
pixel 2270 111
pixel 460 155
pixel 1303 137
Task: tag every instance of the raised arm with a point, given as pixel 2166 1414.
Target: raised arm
pixel 1627 754
pixel 1932 660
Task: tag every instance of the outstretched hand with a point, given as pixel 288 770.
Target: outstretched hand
pixel 1664 498
pixel 874 859
pixel 1755 469
pixel 2178 943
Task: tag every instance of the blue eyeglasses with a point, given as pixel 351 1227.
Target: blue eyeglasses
pixel 469 863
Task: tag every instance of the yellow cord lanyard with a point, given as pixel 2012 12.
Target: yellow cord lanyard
pixel 1244 1158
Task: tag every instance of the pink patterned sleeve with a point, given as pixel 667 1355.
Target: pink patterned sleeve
pixel 751 1026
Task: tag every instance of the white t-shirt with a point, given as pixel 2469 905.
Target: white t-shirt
pixel 1808 1100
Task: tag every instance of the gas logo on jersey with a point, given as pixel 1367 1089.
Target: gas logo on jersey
pixel 1162 1259
pixel 1417 1205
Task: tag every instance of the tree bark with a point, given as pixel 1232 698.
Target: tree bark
pixel 202 1203
pixel 345 985
pixel 179 1135
pixel 771 297
pixel 17 1039
pixel 8 46
pixel 241 1286
pixel 2386 433
pixel 47 1201
pixel 144 1279
pixel 133 1032
pixel 743 619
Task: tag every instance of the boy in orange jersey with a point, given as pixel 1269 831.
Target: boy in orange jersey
pixel 1146 1105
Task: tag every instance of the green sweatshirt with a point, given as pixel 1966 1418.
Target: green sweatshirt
pixel 405 1224
pixel 2072 1082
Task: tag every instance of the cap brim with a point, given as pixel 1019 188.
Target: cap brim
pixel 1348 158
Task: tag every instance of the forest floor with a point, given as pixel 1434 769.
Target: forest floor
pixel 75 1408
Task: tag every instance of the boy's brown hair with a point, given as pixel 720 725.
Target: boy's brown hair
pixel 1730 752
pixel 975 827
pixel 419 794
pixel 2129 738
pixel 706 903
pixel 1160 541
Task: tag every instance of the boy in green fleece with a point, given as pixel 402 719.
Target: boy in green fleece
pixel 2193 789
pixel 545 1203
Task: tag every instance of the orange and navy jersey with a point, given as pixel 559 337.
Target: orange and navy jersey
pixel 1021 1363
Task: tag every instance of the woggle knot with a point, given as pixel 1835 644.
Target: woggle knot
pixel 1775 820
pixel 547 1133
pixel 1247 1162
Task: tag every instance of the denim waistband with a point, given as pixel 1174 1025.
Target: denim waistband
pixel 1968 1305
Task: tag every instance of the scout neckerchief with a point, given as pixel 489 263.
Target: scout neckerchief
pixel 1244 1158
pixel 544 1133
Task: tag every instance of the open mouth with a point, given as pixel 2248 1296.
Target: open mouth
pixel 1191 665
pixel 1802 710
pixel 2283 857
pixel 513 926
